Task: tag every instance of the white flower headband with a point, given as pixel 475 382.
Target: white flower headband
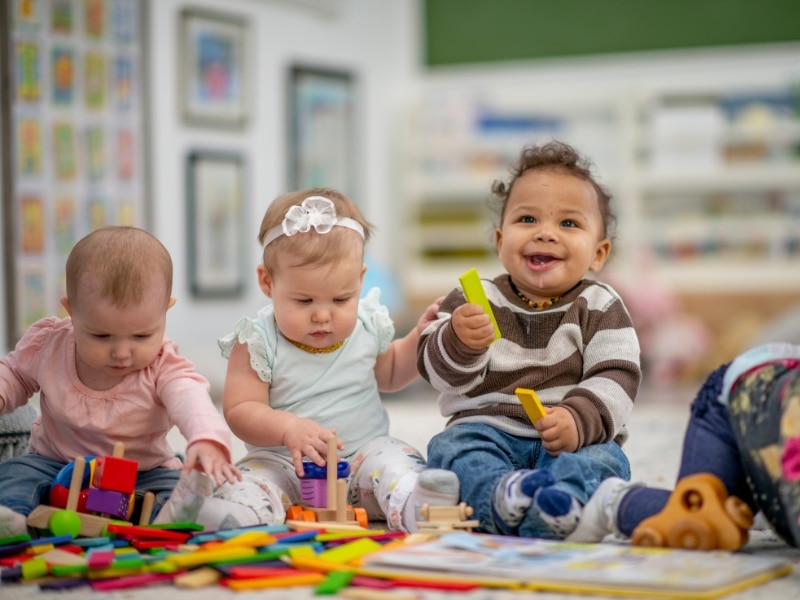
pixel 315 211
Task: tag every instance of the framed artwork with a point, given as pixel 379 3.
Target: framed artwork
pixel 216 224
pixel 212 63
pixel 322 129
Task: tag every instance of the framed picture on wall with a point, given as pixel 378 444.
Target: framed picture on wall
pixel 212 63
pixel 321 129
pixel 216 233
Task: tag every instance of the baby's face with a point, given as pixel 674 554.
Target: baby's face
pixel 112 341
pixel 316 305
pixel 552 233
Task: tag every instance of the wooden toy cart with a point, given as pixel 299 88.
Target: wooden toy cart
pixel 700 515
pixel 330 506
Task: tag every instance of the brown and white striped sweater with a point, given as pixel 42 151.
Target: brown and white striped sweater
pixel 582 354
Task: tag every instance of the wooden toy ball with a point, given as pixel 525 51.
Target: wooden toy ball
pixel 65 522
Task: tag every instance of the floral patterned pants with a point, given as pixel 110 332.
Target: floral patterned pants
pixel 764 412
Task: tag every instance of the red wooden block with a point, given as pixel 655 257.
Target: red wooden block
pixel 152 533
pixel 59 495
pixel 115 474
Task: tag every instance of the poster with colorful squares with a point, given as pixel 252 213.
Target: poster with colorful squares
pixel 76 138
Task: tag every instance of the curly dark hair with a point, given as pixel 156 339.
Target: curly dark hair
pixel 558 156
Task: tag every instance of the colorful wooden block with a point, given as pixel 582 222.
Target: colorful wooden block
pixel 314 484
pixel 475 294
pixel 531 403
pixel 115 473
pixel 109 502
pixel 314 492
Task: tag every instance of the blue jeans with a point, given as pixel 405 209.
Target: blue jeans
pixel 25 483
pixel 725 440
pixel 481 455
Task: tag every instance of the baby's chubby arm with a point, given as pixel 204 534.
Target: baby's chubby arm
pixel 245 404
pixel 397 367
pixel 210 458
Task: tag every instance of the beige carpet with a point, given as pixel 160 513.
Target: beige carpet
pixel 654 449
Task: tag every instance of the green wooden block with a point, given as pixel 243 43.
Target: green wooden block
pixel 473 292
pixel 334 582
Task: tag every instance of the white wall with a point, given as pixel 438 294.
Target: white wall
pixel 374 39
pixel 378 41
pixel 746 66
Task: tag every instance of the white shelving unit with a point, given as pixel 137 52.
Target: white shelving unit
pixel 456 148
pixel 705 182
pixel 715 186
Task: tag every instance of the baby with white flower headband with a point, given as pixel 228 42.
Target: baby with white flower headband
pixel 309 367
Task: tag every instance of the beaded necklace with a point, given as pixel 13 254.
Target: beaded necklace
pixel 312 350
pixel 538 305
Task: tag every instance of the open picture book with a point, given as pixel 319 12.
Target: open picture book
pixel 608 569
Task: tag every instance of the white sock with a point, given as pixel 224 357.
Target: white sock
pixel 214 513
pixel 189 485
pixel 435 487
pixel 12 523
pixel 192 501
pixel 559 511
pixel 599 516
pixel 514 493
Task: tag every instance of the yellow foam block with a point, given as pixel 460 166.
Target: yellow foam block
pixel 350 551
pixel 252 539
pixel 530 402
pixel 312 563
pixel 204 557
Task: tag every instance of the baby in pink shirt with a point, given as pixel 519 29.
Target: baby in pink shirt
pixel 107 374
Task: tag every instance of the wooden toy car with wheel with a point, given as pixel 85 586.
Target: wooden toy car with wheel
pixel 443 519
pixel 700 515
pixel 324 495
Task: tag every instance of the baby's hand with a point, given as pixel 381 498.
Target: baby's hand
pixel 473 326
pixel 430 315
pixel 558 431
pixel 304 437
pixel 209 458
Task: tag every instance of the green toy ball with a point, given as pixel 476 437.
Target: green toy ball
pixel 65 522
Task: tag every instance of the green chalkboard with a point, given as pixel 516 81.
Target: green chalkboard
pixel 479 31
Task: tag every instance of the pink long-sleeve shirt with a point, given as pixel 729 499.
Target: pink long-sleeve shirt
pixel 139 411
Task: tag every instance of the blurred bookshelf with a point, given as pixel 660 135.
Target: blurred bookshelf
pixel 457 146
pixel 717 183
pixel 705 182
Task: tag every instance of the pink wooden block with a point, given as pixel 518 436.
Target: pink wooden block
pixel 100 559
